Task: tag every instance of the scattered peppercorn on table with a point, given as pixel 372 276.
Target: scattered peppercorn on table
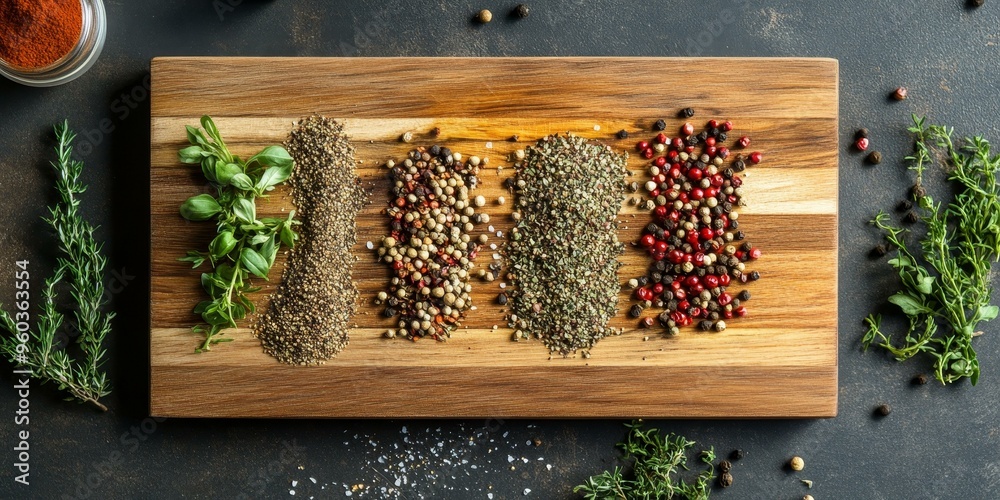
pixel 476 107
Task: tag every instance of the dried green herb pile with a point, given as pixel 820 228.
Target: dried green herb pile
pixel 429 247
pixel 307 321
pixel 562 253
pixel 81 266
pixel 945 278
pixel 657 460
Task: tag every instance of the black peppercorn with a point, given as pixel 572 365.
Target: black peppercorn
pixel 883 410
pixel 912 217
pixel 862 133
pixel 435 150
pixel 739 235
pixel 744 295
pixel 436 131
pixel 502 299
pixel 721 137
pixel 687 113
pixel 879 251
pixel 444 152
pixel 660 125
pixel 635 311
pixel 725 466
pixel 622 134
pixel 702 136
pixel 737 454
pixel 664 318
pixel 976 3
pixel 521 11
pixel 746 246
pixel 754 276
pixel 389 312
pixel 904 206
pixel 739 165
pixel 920 379
pixel 725 480
pixel 918 191
pixel 514 138
pixel 643 281
pixel 874 158
pixel 705 325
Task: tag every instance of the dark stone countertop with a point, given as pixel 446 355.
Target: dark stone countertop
pixel 939 442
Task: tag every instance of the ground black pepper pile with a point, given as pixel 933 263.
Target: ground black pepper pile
pixel 307 322
pixel 431 215
pixel 563 252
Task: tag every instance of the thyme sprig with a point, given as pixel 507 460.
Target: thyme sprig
pixel 245 245
pixel 948 283
pixel 656 461
pixel 82 261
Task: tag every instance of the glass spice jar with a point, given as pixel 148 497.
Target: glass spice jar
pixel 74 63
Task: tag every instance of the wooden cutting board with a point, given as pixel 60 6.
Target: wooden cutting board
pixel 779 362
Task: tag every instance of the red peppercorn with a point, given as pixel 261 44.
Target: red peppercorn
pixel 727 126
pixel 654 193
pixel 710 281
pixel 756 157
pixel 718 180
pixel 755 253
pixel 724 298
pixel 727 314
pixel 713 124
pixel 647 153
pixel 661 246
pixel 710 141
pixel 723 153
pixel 680 294
pixel 660 161
pixel 660 212
pixel 661 138
pixel 647 240
pixel 861 143
pixel 699 259
pixel 675 172
pixel 724 280
pixel 641 146
pixel 744 141
pixel 706 233
pixel 697 194
pixel 687 129
pixel 672 155
pixel 689 149
pixel 692 280
pixel 741 311
pixel 680 318
pixel 696 311
pixel 678 142
pixel 683 305
pixel 710 150
pixel 657 288
pixel 695 174
pixel 644 293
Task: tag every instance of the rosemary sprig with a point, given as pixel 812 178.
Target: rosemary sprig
pixel 245 245
pixel 948 283
pixel 656 460
pixel 83 262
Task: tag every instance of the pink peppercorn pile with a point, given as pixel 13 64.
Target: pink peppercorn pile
pixel 695 230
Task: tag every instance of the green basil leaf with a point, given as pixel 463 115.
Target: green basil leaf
pixel 273 156
pixel 274 176
pixel 260 239
pixel 215 316
pixel 908 303
pixel 245 210
pixel 288 235
pixel 200 207
pixel 242 182
pixel 195 137
pixel 209 125
pixel 191 154
pixel 202 306
pixel 225 172
pixel 254 262
pixel 925 284
pixel 269 251
pixel 222 245
pixel 987 313
pixel 195 258
pixel 208 168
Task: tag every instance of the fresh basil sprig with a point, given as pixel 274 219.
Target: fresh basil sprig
pixel 245 245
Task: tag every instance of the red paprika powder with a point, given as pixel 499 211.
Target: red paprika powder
pixel 37 33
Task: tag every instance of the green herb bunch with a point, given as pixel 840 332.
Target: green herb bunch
pixel 245 244
pixel 83 263
pixel 946 286
pixel 656 461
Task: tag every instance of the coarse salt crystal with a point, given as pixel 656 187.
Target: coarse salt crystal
pixel 370 245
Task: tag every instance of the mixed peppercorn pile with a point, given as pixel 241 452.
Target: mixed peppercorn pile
pixel 694 238
pixel 429 246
